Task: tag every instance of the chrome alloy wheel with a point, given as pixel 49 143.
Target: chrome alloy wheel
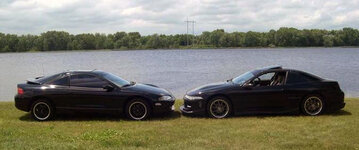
pixel 137 110
pixel 41 111
pixel 313 105
pixel 219 108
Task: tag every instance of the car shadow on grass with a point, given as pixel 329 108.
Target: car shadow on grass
pixel 336 113
pixel 101 117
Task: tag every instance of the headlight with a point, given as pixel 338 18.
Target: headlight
pixel 193 97
pixel 165 98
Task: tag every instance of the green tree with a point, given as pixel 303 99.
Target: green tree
pixel 155 41
pixel 55 40
pixel 215 37
pixel 252 39
pixel 350 37
pixel 328 40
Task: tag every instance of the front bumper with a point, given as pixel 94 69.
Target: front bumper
pixel 196 107
pixel 163 106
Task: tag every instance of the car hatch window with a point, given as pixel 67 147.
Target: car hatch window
pixel 46 79
pixel 295 77
pixel 85 80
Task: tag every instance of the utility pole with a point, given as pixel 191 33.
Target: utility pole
pixel 187 22
pixel 193 22
pixel 187 31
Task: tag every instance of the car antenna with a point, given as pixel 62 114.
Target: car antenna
pixel 43 70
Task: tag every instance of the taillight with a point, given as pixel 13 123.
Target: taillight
pixel 20 91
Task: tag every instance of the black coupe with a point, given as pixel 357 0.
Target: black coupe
pixel 266 90
pixel 91 91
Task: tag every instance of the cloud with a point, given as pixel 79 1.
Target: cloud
pixel 168 16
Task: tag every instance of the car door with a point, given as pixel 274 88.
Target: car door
pixel 264 97
pixel 88 92
pixel 58 90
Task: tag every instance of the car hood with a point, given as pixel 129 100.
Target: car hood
pixel 210 87
pixel 148 89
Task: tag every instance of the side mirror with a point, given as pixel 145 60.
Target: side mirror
pixel 108 88
pixel 248 86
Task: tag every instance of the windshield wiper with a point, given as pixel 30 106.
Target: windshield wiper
pixel 230 80
pixel 126 85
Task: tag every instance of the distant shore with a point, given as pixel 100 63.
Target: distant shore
pixel 285 37
pixel 186 48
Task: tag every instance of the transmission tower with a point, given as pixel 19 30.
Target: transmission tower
pixel 190 22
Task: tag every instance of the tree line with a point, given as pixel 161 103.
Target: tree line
pixel 283 37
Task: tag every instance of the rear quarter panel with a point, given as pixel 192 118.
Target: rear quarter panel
pixel 295 93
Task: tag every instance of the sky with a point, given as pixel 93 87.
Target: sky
pixel 169 16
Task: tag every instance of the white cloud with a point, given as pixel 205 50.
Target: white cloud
pixel 168 16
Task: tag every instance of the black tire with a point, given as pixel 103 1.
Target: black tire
pixel 42 110
pixel 137 109
pixel 219 107
pixel 312 105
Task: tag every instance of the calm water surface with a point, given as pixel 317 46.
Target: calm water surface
pixel 181 70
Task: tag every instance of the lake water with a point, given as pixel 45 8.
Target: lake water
pixel 181 70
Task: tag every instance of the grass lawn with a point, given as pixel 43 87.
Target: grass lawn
pixel 339 130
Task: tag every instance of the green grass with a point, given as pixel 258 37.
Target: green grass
pixel 338 130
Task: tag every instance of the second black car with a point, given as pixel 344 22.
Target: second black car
pixel 266 90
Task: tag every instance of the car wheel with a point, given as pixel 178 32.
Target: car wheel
pixel 42 110
pixel 137 109
pixel 312 105
pixel 219 107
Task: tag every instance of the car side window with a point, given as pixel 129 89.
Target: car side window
pixel 296 77
pixel 85 80
pixel 64 81
pixel 267 76
pixel 264 79
pixel 270 79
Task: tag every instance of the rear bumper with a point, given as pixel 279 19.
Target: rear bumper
pixel 335 107
pixel 337 102
pixel 22 103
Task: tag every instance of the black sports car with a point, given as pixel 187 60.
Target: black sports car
pixel 91 91
pixel 266 90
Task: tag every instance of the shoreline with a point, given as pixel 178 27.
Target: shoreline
pixel 184 48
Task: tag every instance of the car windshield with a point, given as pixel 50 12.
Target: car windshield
pixel 116 79
pixel 243 78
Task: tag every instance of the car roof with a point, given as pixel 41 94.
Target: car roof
pixel 269 68
pixel 275 68
pixel 279 68
pixel 84 71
